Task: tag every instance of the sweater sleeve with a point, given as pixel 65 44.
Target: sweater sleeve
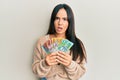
pixel 77 69
pixel 39 66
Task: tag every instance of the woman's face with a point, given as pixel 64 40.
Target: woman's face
pixel 61 22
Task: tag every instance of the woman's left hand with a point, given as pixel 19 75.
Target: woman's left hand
pixel 64 58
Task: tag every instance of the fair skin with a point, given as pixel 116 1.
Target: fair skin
pixel 61 25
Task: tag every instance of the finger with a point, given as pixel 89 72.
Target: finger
pixel 50 41
pixel 54 54
pixel 53 58
pixel 53 63
pixel 62 55
pixel 61 60
pixel 48 44
pixel 65 55
pixel 45 45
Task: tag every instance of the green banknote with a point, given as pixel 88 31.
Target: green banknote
pixel 58 44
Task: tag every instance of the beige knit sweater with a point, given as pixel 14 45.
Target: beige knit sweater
pixel 57 72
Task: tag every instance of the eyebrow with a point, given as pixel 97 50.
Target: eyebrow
pixel 62 17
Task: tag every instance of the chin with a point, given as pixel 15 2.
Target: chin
pixel 60 32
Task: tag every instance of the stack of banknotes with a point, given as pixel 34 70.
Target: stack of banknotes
pixel 58 44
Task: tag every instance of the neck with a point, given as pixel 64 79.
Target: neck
pixel 60 36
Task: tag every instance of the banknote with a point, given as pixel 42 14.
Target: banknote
pixel 57 40
pixel 65 45
pixel 49 48
pixel 58 44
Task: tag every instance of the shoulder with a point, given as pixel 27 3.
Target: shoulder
pixel 43 39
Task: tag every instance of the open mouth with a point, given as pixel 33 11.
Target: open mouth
pixel 59 28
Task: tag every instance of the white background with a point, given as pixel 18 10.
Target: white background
pixel 22 22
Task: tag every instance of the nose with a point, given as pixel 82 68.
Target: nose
pixel 60 22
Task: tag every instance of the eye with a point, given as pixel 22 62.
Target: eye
pixel 65 19
pixel 56 18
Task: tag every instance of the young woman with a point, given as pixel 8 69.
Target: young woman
pixel 60 65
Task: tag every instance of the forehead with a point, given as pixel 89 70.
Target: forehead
pixel 62 13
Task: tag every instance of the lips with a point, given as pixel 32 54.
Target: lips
pixel 59 28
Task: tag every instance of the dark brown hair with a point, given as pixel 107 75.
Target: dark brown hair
pixel 78 47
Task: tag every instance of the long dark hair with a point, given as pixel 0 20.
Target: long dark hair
pixel 78 47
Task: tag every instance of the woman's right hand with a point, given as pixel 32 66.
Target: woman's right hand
pixel 50 59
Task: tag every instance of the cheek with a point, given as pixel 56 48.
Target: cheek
pixel 66 26
pixel 55 23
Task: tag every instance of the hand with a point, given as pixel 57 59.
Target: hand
pixel 64 58
pixel 47 44
pixel 51 59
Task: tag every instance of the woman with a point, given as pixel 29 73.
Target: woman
pixel 59 65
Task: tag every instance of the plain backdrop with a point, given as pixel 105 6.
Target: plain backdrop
pixel 97 24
